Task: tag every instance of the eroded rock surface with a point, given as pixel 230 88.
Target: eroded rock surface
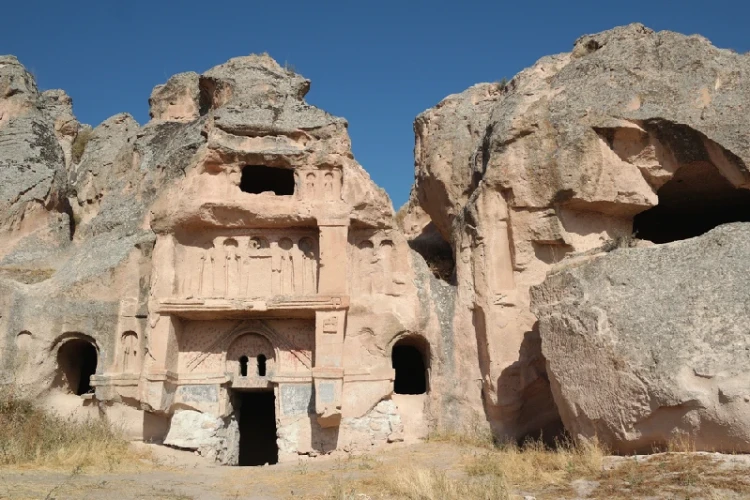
pixel 558 163
pixel 233 244
pixel 647 346
pixel 230 247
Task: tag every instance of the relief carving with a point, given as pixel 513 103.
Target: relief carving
pixel 246 266
pixel 378 268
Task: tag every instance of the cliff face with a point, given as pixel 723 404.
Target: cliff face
pixel 153 267
pixel 569 157
pixel 234 244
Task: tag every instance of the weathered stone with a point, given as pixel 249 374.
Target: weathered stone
pixel 234 244
pixel 649 345
pixel 558 162
pixel 177 100
pixel 212 437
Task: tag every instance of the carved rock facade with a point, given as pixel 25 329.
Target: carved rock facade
pixel 230 248
pixel 230 259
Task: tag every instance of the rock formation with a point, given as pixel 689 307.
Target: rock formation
pixel 228 250
pixel 649 346
pixel 230 265
pixel 633 131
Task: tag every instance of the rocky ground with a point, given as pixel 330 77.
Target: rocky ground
pixel 431 470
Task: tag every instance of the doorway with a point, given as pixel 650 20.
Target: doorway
pixel 257 420
pixel 76 363
pixel 411 372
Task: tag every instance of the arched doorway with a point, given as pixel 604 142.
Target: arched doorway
pixel 76 363
pixel 408 358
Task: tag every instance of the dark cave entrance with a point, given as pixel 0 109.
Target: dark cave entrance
pixel 257 422
pixel 408 359
pixel 697 199
pixel 76 362
pixel 258 179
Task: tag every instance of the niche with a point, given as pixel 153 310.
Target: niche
pixel 76 363
pixel 437 253
pixel 129 352
pixel 258 179
pixel 408 359
pixel 697 199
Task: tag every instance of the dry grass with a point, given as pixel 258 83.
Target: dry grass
pixel 415 483
pixel 535 465
pixel 673 475
pixel 26 275
pixel 510 471
pixel 431 484
pixel 31 437
pixel 80 142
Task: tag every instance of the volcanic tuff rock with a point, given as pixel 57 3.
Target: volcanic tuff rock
pixel 557 163
pixel 143 245
pixel 649 345
pixel 101 227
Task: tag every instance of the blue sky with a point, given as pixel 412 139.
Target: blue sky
pixel 378 64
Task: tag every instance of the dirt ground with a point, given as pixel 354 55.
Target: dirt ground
pixel 174 475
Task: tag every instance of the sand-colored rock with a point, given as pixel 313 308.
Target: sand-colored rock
pixel 558 163
pixel 647 347
pixel 231 253
pixel 234 226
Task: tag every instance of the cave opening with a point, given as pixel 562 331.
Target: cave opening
pixel 408 359
pixel 697 199
pixel 76 363
pixel 258 179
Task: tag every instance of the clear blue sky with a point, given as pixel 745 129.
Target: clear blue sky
pixel 378 64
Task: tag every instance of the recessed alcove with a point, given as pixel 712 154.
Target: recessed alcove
pixel 258 179
pixel 697 199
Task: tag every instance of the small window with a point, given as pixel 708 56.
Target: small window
pixel 258 179
pixel 243 366
pixel 261 365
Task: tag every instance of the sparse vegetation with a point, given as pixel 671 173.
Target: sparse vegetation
pixel 623 241
pixel 80 142
pixel 439 257
pixel 26 275
pixel 432 484
pixel 30 436
pixel 511 471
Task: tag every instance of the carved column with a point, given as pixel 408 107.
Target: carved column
pixel 328 371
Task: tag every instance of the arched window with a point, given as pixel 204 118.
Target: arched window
pixel 261 365
pixel 408 359
pixel 243 366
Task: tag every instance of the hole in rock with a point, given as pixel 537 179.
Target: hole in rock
pixel 261 365
pixel 76 363
pixel 243 366
pixel 411 372
pixel 257 419
pixel 437 253
pixel 258 179
pixel 697 199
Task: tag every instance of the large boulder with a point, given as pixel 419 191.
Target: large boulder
pixel 649 345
